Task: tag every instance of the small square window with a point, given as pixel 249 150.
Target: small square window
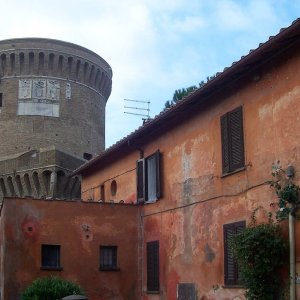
pixel 108 258
pixel 51 257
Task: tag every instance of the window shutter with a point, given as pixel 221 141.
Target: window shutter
pixel 225 143
pixel 140 180
pixel 153 266
pixel 231 271
pixel 232 136
pixel 229 263
pixel 236 139
pixel 240 226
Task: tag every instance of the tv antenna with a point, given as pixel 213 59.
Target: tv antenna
pixel 141 109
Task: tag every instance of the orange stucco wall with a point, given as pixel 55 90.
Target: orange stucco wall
pixel 197 200
pixel 28 223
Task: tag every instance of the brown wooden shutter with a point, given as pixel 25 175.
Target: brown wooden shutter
pixel 229 264
pixel 225 143
pixel 140 180
pixel 232 136
pixel 236 139
pixel 231 272
pixel 153 266
pixel 240 226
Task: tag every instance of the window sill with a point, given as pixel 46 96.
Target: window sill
pixel 109 269
pixel 233 172
pixel 150 202
pixel 51 268
pixel 153 292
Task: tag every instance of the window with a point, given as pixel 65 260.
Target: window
pixel 51 257
pixel 1 99
pixel 231 272
pixel 186 291
pixel 148 179
pixel 113 188
pixel 108 258
pixel 232 140
pixel 153 266
pixel 102 193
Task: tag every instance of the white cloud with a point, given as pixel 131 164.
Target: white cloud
pixel 153 46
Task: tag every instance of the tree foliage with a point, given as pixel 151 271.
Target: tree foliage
pixel 288 193
pixel 51 288
pixel 181 93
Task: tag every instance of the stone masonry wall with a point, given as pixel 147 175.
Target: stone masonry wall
pixel 52 93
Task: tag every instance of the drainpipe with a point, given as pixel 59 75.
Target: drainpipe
pixel 292 257
pixel 290 172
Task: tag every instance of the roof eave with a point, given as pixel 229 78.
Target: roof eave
pixel 210 85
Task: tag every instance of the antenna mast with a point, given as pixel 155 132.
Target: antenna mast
pixel 147 116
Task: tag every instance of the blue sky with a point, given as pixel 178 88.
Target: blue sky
pixel 153 46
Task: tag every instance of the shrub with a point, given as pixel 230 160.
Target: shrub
pixel 260 251
pixel 50 288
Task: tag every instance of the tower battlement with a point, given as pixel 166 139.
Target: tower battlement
pixel 52 96
pixel 55 59
pixel 52 93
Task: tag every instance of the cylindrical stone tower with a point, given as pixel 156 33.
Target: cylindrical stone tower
pixel 52 93
pixel 52 113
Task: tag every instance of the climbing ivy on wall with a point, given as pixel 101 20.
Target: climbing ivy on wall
pixel 286 191
pixel 260 251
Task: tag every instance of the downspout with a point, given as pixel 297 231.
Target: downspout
pixel 290 172
pixel 292 255
pixel 140 232
pixel 142 252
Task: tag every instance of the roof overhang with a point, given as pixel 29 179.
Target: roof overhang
pixel 286 38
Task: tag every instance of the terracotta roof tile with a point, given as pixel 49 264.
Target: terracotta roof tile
pixel 186 99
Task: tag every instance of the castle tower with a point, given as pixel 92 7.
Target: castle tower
pixel 52 115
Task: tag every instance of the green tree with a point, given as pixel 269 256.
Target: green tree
pixel 181 93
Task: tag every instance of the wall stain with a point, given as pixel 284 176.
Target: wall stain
pixel 209 253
